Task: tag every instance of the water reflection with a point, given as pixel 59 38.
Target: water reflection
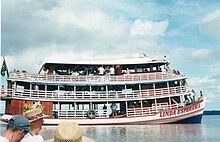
pixel 139 133
pixel 207 131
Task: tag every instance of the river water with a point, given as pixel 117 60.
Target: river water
pixel 207 131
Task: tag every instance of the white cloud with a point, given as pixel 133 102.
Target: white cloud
pixel 149 28
pixel 212 16
pixel 201 53
pixel 208 85
pixel 211 24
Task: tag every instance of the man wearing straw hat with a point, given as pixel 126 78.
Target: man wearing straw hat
pixel 69 132
pixel 35 117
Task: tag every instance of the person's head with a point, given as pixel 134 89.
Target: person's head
pixel 201 93
pixel 36 125
pixel 69 132
pixel 18 126
pixel 35 117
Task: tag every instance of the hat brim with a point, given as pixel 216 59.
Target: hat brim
pixel 44 116
pixel 84 139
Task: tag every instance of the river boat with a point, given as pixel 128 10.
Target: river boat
pixel 104 92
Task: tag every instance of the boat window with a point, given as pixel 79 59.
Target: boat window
pixel 160 85
pixel 174 83
pixel 133 87
pixel 146 86
pixel 82 88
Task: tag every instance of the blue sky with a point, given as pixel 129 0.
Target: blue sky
pixel 187 32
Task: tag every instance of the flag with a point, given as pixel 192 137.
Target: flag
pixel 4 68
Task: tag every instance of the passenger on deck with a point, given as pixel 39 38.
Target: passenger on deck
pixel 107 70
pixel 118 70
pixel 192 96
pixel 201 96
pixel 167 68
pixel 74 73
pixel 101 70
pixel 186 99
pixel 112 70
pixel 36 88
pixel 127 71
pixel 174 72
pixel 104 107
pixel 114 109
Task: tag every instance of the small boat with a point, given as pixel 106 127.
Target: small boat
pixel 104 92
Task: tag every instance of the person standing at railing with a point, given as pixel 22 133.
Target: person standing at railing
pixel 101 70
pixel 112 70
pixel 118 70
pixel 114 109
pixel 36 90
pixel 104 109
pixel 193 96
pixel 127 71
pixel 201 96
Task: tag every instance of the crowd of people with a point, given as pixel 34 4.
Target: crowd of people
pixel 26 129
pixel 108 70
pixel 191 98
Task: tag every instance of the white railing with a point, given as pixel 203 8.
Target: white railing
pixel 94 78
pixel 151 110
pixel 131 112
pixel 79 113
pixel 93 95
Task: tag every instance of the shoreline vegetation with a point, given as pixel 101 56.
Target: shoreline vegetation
pixel 211 112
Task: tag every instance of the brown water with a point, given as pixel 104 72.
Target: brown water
pixel 208 131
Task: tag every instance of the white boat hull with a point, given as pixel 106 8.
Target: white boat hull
pixel 189 114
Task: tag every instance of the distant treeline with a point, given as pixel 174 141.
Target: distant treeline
pixel 211 112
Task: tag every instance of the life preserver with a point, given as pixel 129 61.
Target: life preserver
pixel 91 114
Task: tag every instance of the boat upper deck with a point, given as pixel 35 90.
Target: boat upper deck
pixel 96 79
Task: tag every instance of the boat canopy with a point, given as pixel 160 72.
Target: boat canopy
pixel 129 61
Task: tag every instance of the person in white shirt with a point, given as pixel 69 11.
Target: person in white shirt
pixel 112 70
pixel 101 70
pixel 193 96
pixel 17 127
pixel 35 117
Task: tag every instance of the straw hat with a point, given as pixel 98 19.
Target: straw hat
pixel 69 132
pixel 35 114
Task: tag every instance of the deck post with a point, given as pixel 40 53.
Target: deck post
pixel 154 89
pixel 58 113
pixel 30 89
pixel 126 106
pixel 142 113
pixel 168 87
pixel 45 91
pixel 180 88
pixel 170 102
pixel 140 93
pixel 156 105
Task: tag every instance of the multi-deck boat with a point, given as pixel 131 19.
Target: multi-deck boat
pixel 132 91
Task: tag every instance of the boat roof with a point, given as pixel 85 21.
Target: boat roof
pixel 130 61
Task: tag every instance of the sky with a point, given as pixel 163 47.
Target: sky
pixel 186 32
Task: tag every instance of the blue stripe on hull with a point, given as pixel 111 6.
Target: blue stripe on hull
pixel 195 119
